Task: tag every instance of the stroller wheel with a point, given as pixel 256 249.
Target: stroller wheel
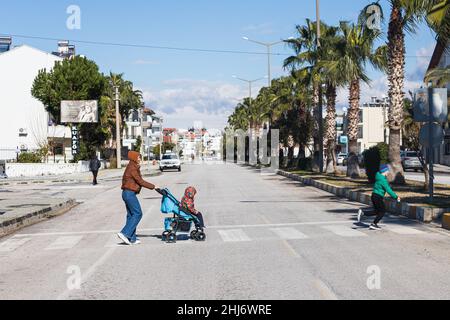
pixel 172 238
pixel 164 235
pixel 201 236
pixel 194 234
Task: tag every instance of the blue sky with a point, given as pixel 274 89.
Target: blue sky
pixel 186 86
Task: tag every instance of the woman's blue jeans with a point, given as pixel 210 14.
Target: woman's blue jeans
pixel 134 214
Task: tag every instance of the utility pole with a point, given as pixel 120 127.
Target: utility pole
pixel 118 144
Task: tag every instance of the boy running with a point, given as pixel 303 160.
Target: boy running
pixel 379 191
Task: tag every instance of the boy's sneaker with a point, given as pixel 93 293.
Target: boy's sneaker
pixel 374 226
pixel 360 215
pixel 137 242
pixel 123 238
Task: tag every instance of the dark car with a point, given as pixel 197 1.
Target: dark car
pixel 411 161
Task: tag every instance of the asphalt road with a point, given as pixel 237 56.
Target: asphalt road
pixel 268 238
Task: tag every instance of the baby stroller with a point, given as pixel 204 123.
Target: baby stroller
pixel 181 221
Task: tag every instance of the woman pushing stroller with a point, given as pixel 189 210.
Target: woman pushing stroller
pixel 132 183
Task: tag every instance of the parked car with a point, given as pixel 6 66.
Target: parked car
pixel 341 158
pixel 360 160
pixel 170 161
pixel 411 161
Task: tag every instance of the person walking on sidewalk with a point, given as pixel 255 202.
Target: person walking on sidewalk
pixel 132 183
pixel 380 189
pixel 94 167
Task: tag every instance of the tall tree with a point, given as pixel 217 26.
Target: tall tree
pixel 405 16
pixel 352 52
pixel 72 79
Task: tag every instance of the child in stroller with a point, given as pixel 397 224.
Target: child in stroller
pixel 182 219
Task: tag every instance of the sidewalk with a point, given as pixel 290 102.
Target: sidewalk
pixel 439 168
pixel 18 211
pixel 103 175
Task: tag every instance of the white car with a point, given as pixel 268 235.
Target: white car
pixel 170 161
pixel 340 159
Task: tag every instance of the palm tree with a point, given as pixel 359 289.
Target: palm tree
pixel 439 76
pixel 352 51
pixel 404 17
pixel 306 58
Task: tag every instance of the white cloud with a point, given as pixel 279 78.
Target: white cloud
pixel 185 101
pixel 422 62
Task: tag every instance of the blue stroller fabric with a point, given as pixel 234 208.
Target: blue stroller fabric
pixel 170 205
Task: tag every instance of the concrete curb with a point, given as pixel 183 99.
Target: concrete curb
pixel 17 223
pixel 423 214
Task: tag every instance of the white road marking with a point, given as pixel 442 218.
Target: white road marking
pixel 13 244
pixel 210 227
pixel 289 233
pixel 64 243
pixel 236 235
pixel 324 290
pixel 405 230
pixel 344 231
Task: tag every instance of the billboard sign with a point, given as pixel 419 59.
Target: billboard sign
pixel 79 111
pixel 422 107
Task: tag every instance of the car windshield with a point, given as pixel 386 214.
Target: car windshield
pixel 411 155
pixel 170 157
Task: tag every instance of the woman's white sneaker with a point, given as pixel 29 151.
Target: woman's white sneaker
pixel 123 238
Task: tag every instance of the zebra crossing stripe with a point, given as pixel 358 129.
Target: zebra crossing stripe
pixel 289 233
pixel 12 244
pixel 405 230
pixel 345 231
pixel 64 243
pixel 236 235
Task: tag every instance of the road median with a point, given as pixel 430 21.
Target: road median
pixel 358 191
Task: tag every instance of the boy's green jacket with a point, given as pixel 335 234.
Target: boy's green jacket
pixel 382 186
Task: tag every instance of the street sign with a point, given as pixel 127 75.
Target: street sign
pixel 343 140
pixel 75 141
pixel 439 107
pixel 437 135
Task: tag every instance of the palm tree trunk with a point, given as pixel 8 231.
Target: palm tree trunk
pixel 331 129
pixel 396 76
pixel 353 122
pixel 315 105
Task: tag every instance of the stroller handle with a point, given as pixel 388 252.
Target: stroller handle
pixel 161 192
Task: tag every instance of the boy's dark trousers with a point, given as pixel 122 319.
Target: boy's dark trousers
pixel 95 173
pixel 380 208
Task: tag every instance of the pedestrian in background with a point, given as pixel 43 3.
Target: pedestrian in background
pixel 132 183
pixel 94 167
pixel 380 189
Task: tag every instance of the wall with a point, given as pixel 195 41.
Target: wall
pixel 18 109
pixel 16 170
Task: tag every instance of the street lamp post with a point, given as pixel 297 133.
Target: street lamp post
pixel 269 46
pixel 321 160
pixel 250 83
pixel 118 144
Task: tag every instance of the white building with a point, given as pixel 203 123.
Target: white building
pixel 372 129
pixel 24 123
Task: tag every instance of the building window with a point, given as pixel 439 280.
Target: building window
pixel 361 116
pixel 360 133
